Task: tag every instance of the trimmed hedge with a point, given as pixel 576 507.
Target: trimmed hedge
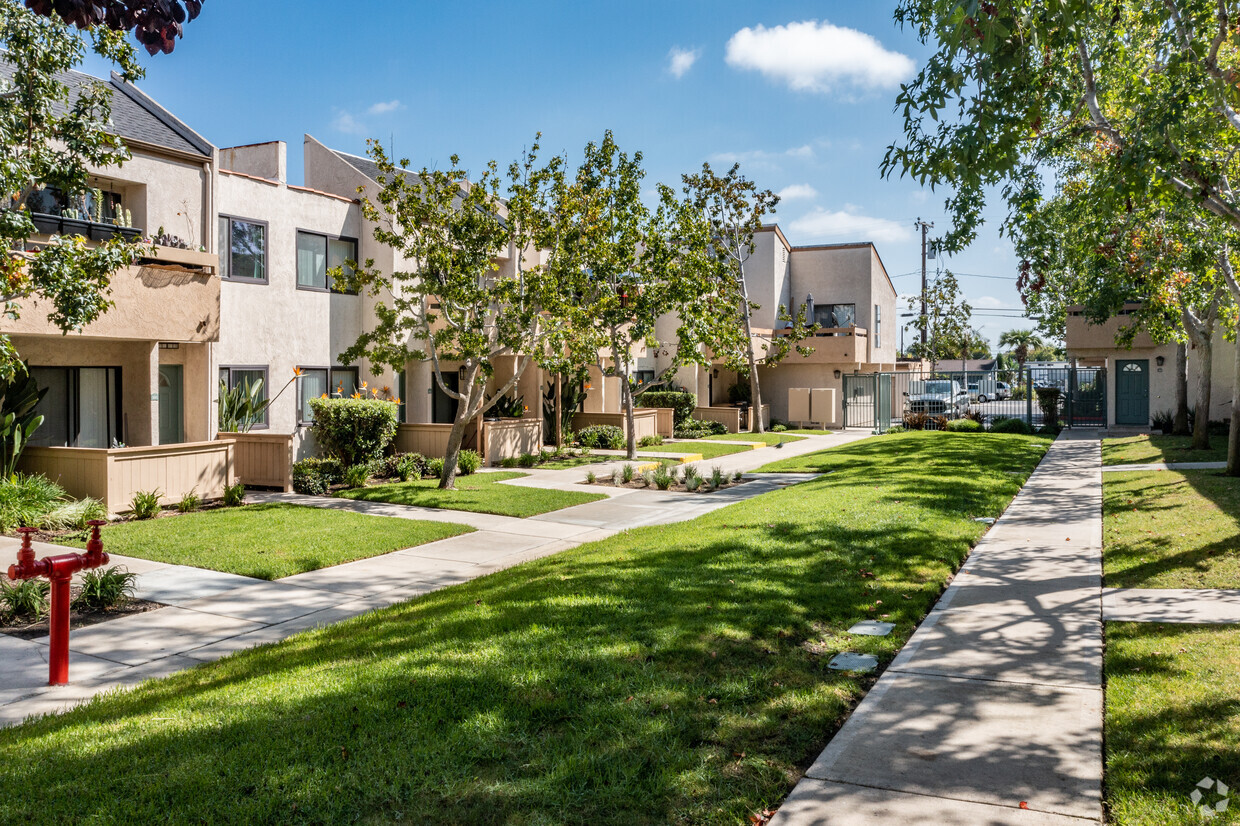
pixel 355 431
pixel 314 476
pixel 681 402
pixel 606 436
pixel 964 426
pixel 1011 426
pixel 697 429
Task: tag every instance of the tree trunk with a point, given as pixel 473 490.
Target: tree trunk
pixel 626 396
pixel 1233 432
pixel 755 391
pixel 1179 424
pixel 464 414
pixel 1201 422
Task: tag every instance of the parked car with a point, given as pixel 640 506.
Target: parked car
pixel 987 389
pixel 1002 390
pixel 937 397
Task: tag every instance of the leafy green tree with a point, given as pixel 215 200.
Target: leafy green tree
pixel 1020 343
pixel 472 288
pixel 733 208
pixel 946 322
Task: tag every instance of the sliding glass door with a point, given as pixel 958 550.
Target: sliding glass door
pixel 82 407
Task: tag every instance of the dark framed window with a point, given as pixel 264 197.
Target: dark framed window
pixel 82 407
pixel 317 255
pixel 317 382
pixel 243 245
pixel 641 378
pixel 835 315
pixel 238 375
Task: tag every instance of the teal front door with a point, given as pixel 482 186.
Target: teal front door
pixel 1132 392
pixel 171 404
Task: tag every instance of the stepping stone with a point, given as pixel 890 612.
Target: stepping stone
pixel 872 628
pixel 848 661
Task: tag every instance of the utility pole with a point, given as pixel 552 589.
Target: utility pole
pixel 923 226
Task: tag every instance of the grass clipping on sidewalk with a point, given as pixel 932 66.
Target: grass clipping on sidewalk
pixel 666 674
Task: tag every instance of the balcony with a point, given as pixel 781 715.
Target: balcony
pixel 1083 337
pixel 169 294
pixel 835 345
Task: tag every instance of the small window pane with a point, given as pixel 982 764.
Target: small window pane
pixel 311 261
pixel 312 385
pixel 224 242
pixel 344 382
pixel 338 252
pixel 249 250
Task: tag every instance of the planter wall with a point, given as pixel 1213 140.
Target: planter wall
pixel 645 421
pixel 510 438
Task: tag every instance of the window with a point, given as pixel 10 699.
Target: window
pixel 82 407
pixel 878 326
pixel 641 378
pixel 317 255
pixel 244 245
pixel 232 377
pixel 835 315
pixel 337 382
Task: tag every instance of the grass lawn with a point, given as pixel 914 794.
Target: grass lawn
pixel 669 674
pixel 1172 719
pixel 1159 448
pixel 574 461
pixel 479 492
pixel 1171 529
pixel 269 541
pixel 708 450
pixel 812 432
pixel 766 438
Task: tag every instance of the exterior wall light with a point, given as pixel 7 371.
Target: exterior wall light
pixel 1160 361
pixel 837 374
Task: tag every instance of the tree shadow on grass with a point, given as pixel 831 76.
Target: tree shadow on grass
pixel 675 673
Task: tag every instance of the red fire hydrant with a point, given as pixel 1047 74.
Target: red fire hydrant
pixel 60 570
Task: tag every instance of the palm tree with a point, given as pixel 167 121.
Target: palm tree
pixel 1020 342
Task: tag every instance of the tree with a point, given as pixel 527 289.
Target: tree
pixel 1020 343
pixel 624 266
pixel 156 24
pixel 452 302
pixel 733 208
pixel 1147 87
pixel 946 322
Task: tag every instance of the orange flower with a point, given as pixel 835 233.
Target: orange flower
pixel 296 372
pixel 323 396
pixel 397 399
pixel 357 395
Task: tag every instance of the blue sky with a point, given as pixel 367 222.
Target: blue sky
pixel 801 94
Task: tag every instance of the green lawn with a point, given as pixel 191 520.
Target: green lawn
pixel 1172 719
pixel 765 438
pixel 708 450
pixel 812 432
pixel 574 461
pixel 268 541
pixel 669 674
pixel 1159 448
pixel 479 493
pixel 1171 529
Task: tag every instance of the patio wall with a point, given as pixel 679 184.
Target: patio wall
pixel 263 459
pixel 114 476
pixel 645 421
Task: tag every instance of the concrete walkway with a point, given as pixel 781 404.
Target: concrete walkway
pixel 1165 466
pixel 211 614
pixel 1203 606
pixel 995 704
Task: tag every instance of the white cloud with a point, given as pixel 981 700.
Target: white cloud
pixel 847 225
pixel 797 191
pixel 761 157
pixel 811 56
pixel 987 302
pixel 345 122
pixel 383 107
pixel 681 60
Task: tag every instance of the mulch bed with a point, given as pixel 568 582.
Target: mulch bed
pixel 677 487
pixel 26 629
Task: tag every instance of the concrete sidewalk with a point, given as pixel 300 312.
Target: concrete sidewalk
pixel 1205 606
pixel 1164 466
pixel 992 713
pixel 211 614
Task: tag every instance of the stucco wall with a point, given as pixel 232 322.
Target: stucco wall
pixel 162 190
pixel 776 381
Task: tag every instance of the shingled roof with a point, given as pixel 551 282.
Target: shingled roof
pixel 135 116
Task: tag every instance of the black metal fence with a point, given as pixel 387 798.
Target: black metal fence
pixel 1074 396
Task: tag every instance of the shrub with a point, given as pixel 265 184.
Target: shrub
pixel 896 428
pixel 353 430
pixel 527 460
pixel 145 503
pixel 591 477
pixel 696 429
pixel 692 483
pixel 649 441
pixel 356 476
pixel 606 436
pixel 691 472
pixel 547 456
pixel 648 478
pixel 626 473
pixel 434 468
pixel 739 475
pixel 106 588
pixel 924 421
pixel 234 495
pixel 74 514
pixel 190 502
pixel 778 428
pixel 975 415
pixel 1162 420
pixel 716 476
pixel 681 402
pixel 25 499
pixel 663 478
pixel 1048 403
pixel 510 461
pixel 1010 426
pixel 410 466
pixel 25 598
pixel 389 466
pixel 617 477
pixel 509 407
pixel 313 477
pixel 468 461
pixel 963 426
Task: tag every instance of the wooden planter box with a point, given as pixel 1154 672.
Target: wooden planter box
pixel 263 460
pixel 645 421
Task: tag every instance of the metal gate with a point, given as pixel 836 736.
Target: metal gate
pixel 1075 396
